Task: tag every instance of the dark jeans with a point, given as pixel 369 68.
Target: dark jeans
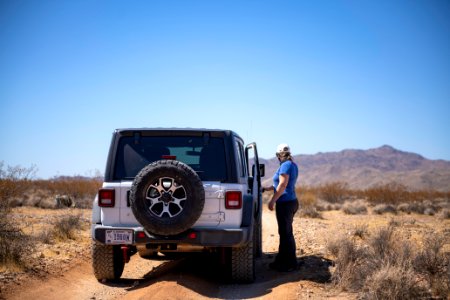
pixel 285 212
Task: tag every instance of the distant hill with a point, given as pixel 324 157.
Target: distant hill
pixel 366 168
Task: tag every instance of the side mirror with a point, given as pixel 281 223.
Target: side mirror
pixel 262 170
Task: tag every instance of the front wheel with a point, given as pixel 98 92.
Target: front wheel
pixel 107 261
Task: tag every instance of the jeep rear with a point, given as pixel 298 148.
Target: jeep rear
pixel 175 190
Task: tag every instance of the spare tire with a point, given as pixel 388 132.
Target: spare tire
pixel 167 197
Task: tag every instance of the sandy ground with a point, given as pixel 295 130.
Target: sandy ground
pixel 200 277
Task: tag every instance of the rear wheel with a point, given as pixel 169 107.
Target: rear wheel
pixel 257 236
pixel 243 263
pixel 107 261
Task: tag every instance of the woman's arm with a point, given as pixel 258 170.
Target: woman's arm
pixel 284 179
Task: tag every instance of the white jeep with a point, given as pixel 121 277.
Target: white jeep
pixel 178 190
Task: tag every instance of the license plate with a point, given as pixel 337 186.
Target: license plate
pixel 119 237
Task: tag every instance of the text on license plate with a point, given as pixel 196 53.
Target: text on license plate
pixel 118 237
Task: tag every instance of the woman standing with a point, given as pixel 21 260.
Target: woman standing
pixel 286 206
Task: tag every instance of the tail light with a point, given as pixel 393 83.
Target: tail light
pixel 170 157
pixel 106 197
pixel 233 200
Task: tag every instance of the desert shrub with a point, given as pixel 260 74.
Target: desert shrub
pixel 80 189
pixel 85 202
pixel 335 192
pixel 360 231
pixel 433 264
pixel 444 214
pixel 417 207
pixel 17 187
pixel 404 207
pixel 395 194
pixel 380 209
pixel 353 263
pixel 14 181
pixel 393 223
pixel 46 203
pixel 387 266
pixel 66 227
pixel 429 211
pixel 443 203
pixel 354 208
pixel 308 202
pixel 382 243
pixel 46 236
pixel 393 282
pixel 310 212
pixel 42 193
pixel 15 246
pixel 336 206
pixel 391 193
pixel 308 198
pixel 322 205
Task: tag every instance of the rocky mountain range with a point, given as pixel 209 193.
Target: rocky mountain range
pixel 361 169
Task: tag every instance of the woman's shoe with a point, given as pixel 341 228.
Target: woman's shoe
pixel 280 268
pixel 274 266
pixel 287 269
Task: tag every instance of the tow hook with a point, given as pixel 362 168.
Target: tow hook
pixel 125 252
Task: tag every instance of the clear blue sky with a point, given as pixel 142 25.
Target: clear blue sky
pixel 319 75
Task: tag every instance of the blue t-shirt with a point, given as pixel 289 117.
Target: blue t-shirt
pixel 289 168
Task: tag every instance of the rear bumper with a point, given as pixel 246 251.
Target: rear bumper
pixel 198 237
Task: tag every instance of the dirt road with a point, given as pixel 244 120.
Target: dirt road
pixel 196 277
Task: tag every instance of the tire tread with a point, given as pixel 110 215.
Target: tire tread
pixel 105 262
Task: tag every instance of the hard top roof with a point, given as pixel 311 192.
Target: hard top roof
pixel 175 130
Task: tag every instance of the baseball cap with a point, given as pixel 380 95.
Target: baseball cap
pixel 283 148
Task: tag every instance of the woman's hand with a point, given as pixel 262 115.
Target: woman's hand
pixel 284 179
pixel 271 204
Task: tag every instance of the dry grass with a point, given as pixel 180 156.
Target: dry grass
pixel 389 198
pixel 335 192
pixel 67 227
pixel 309 212
pixel 42 193
pixel 307 198
pixel 394 193
pixel 15 246
pixel 444 214
pixel 308 202
pixel 322 205
pixel 433 265
pixel 393 282
pixel 352 263
pixel 354 208
pixel 389 266
pixel 384 208
pixel 17 188
pixel 361 231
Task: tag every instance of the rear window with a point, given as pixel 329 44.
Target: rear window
pixel 206 157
